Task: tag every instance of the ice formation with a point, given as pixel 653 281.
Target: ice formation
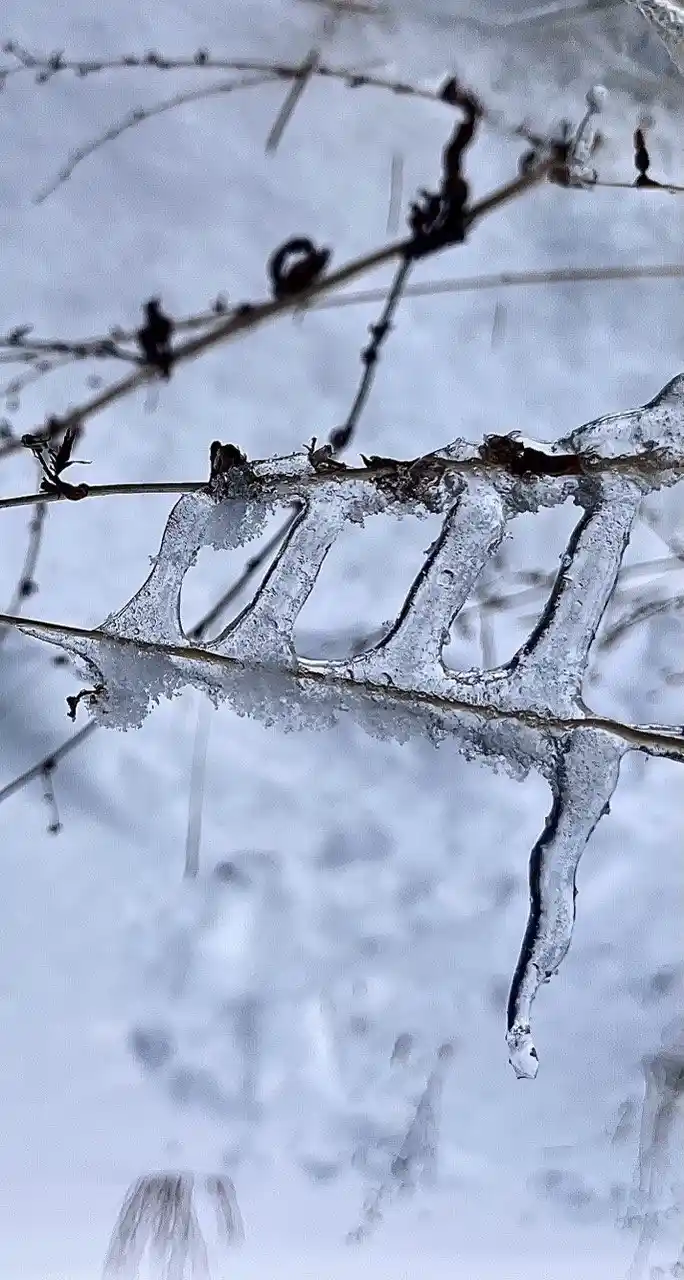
pixel 667 18
pixel 529 713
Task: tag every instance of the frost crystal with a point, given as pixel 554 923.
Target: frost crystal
pixel 667 18
pixel 529 713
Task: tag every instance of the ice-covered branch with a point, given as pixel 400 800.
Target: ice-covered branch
pixel 667 19
pixel 583 779
pixel 528 713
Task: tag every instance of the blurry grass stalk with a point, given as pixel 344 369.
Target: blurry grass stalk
pixel 158 1221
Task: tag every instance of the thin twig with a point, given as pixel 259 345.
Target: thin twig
pixel 106 491
pixel 46 67
pixel 436 219
pixel 648 609
pixel 95 348
pixel 660 740
pixel 351 78
pixel 54 825
pixel 667 187
pixel 341 436
pixel 538 16
pixel 11 391
pixel 252 566
pixel 26 585
pixel 509 280
pixel 105 348
pixel 48 762
pixel 622 464
pixel 138 116
pixel 531 594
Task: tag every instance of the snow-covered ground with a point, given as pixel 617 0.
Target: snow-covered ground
pixel 380 891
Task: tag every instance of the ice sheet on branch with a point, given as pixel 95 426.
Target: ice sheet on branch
pixel 527 713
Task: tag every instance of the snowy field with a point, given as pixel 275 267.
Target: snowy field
pixel 281 1021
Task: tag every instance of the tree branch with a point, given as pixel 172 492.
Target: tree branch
pixel 247 319
pixel 659 740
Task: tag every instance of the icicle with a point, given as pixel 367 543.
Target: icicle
pixel 584 780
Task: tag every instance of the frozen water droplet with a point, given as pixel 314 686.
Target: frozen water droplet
pixel 522 1054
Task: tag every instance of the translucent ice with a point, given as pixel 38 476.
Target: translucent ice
pixel 667 19
pixel 528 713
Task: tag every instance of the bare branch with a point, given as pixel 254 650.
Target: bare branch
pixel 26 585
pixel 48 763
pixel 484 460
pixel 138 116
pixel 659 740
pixel 341 436
pixel 510 280
pixel 109 348
pixel 247 318
pixel 437 219
pixel 260 72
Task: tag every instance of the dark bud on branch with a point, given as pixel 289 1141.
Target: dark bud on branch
pixel 323 459
pixel 438 218
pixel 375 462
pixel 89 696
pixel 54 461
pixel 155 338
pixel 642 161
pixel 289 278
pixel 17 336
pixel 340 437
pixel 452 92
pixel 521 460
pixel 223 457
